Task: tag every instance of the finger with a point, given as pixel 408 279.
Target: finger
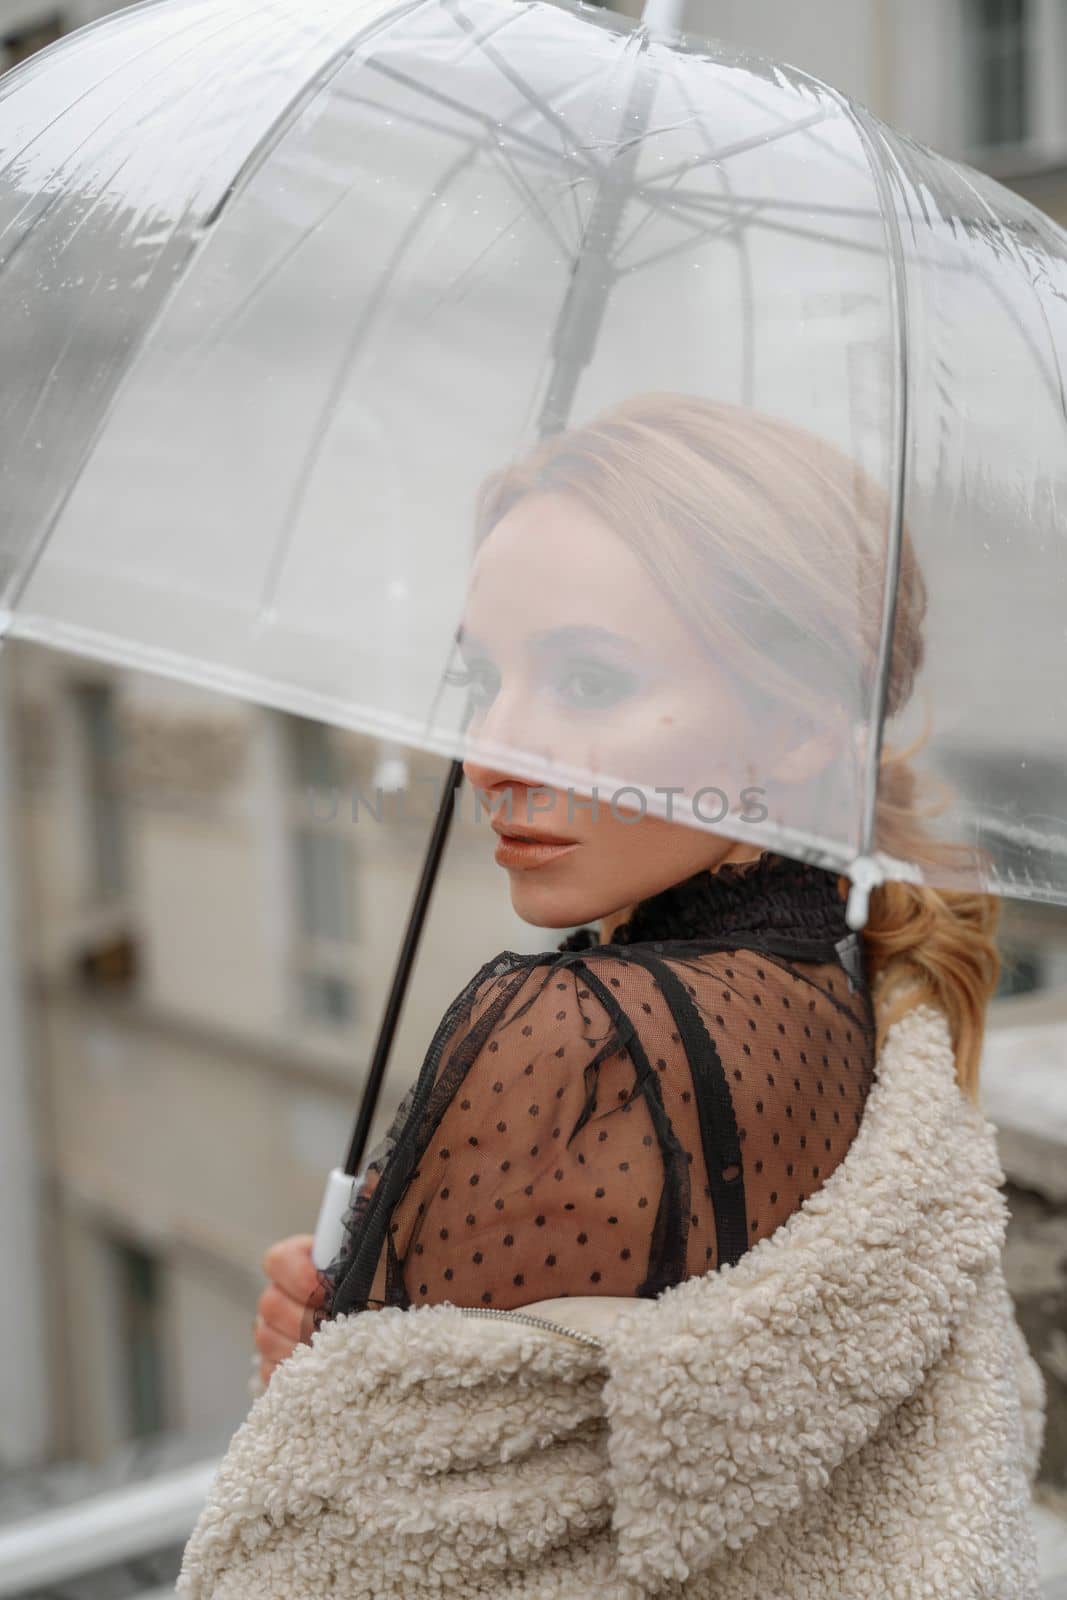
pixel 307 1325
pixel 272 1345
pixel 288 1264
pixel 266 1371
pixel 284 1314
pixel 283 1250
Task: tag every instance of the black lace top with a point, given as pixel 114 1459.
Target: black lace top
pixel 613 1118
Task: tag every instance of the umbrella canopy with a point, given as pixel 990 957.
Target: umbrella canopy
pixel 504 378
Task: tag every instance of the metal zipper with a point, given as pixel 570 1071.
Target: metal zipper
pixel 534 1322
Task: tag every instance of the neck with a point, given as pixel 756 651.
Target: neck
pixel 609 923
pixel 614 919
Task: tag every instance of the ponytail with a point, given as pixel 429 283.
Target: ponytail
pixel 930 945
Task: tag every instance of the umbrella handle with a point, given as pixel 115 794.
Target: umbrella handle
pixel 330 1228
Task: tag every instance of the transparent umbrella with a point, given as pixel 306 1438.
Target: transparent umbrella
pixel 299 301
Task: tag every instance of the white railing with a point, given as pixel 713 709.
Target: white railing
pixel 101 1530
pixel 105 1529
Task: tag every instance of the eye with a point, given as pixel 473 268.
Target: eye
pixel 591 685
pixel 481 680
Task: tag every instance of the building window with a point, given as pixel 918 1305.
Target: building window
pixel 323 865
pixel 98 727
pixel 23 42
pixel 1022 971
pixel 326 998
pixel 998 38
pixel 323 879
pixel 138 1281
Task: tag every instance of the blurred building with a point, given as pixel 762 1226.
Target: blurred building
pixel 206 938
pixel 982 81
pixel 213 898
pixel 28 25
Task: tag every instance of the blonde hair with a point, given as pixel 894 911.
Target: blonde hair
pixel 651 467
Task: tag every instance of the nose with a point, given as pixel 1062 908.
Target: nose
pixel 500 734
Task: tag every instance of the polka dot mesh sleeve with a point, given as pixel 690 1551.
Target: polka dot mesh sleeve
pixel 611 1121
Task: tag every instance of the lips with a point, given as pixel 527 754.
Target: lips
pixel 529 836
pixel 527 851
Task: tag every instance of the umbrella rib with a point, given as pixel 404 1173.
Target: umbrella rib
pixel 791 230
pixel 744 255
pixel 740 147
pixel 898 307
pixel 284 541
pixel 857 164
pixel 642 222
pixel 486 249
pixel 674 176
pixel 485 144
pixel 534 152
pixel 447 130
pixel 268 276
pixel 713 204
pixel 784 229
pixel 527 193
pixel 396 76
pixel 692 243
pixel 672 180
pixel 748 293
pixel 537 101
pixel 771 203
pixel 472 265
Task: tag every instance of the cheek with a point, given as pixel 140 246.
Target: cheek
pixel 631 860
pixel 689 734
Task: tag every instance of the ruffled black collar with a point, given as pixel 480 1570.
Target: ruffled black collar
pixel 772 894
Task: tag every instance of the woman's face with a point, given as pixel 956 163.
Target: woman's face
pixel 574 655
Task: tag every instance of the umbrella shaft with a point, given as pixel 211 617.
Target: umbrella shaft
pixel 408 951
pixel 577 332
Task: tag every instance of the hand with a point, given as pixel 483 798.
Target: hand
pixel 286 1305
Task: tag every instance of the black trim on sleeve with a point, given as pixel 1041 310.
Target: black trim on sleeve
pixel 718 1124
pixel 667 1251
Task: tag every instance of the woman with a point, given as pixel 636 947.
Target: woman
pixel 644 1108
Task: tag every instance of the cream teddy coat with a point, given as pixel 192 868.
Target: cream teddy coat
pixel 848 1413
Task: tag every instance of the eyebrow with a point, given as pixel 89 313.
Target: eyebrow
pixel 572 636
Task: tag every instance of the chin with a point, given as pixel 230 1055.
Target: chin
pixel 545 907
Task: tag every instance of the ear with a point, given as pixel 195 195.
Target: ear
pixel 803 760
